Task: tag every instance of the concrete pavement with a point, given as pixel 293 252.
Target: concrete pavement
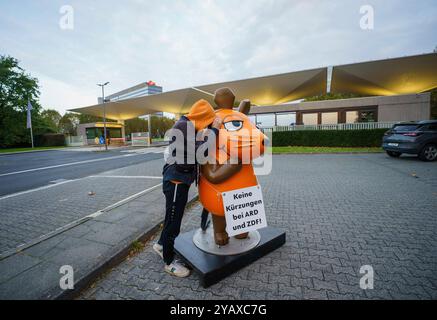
pixel 57 229
pixel 340 212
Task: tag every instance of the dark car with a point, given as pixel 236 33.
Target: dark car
pixel 413 138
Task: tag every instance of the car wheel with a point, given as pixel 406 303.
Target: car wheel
pixel 428 153
pixel 394 154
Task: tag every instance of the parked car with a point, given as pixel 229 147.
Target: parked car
pixel 413 138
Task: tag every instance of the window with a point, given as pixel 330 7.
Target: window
pixel 252 119
pixel 310 118
pixel 429 127
pixel 406 127
pixel 329 118
pixel 265 120
pixel 360 116
pixel 115 133
pixel 351 116
pixel 286 119
pixel 92 133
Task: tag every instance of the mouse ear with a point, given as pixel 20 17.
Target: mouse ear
pixel 244 106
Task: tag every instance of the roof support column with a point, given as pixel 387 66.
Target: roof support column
pixel 123 131
pixel 328 79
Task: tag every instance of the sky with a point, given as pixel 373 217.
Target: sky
pixel 183 43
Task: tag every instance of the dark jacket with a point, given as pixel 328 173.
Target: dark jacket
pixel 183 171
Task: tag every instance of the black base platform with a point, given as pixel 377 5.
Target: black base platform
pixel 213 268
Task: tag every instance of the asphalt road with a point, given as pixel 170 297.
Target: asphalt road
pixel 24 171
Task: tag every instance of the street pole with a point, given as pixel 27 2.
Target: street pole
pixel 31 132
pixel 104 113
pixel 150 128
pixel 29 120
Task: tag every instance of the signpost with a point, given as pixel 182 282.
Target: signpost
pixel 244 210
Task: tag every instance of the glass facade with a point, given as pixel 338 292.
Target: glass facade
pixel 318 117
pixel 92 133
pixel 274 119
pixel 360 116
pixel 329 117
pixel 286 119
pixel 310 118
pixel 265 120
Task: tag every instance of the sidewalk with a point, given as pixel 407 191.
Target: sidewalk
pixel 340 212
pixel 63 225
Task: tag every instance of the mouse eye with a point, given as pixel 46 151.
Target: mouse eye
pixel 233 125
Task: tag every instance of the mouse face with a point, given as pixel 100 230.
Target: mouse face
pixel 239 137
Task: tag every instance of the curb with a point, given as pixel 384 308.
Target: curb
pixel 31 151
pixel 85 281
pixel 325 153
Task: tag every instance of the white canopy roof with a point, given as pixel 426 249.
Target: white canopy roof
pixel 405 75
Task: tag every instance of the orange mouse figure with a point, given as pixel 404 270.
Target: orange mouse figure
pixel 240 140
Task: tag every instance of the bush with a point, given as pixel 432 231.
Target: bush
pixel 329 138
pixel 49 140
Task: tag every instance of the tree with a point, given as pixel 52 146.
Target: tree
pixel 332 96
pixel 16 88
pixel 135 125
pixel 159 125
pixel 68 123
pixel 51 118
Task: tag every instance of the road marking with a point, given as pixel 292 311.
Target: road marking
pixel 123 201
pixel 146 150
pixel 127 177
pixel 74 223
pixel 38 189
pixel 68 164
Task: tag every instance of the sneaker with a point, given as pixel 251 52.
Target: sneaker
pixel 177 269
pixel 158 249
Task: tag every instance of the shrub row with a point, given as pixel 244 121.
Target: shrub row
pixel 329 138
pixel 49 140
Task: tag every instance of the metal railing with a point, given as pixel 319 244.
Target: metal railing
pixel 339 126
pixel 140 139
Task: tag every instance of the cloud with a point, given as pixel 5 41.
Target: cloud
pixel 185 43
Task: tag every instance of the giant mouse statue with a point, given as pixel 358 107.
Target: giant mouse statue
pixel 237 131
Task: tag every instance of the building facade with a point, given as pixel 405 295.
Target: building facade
pixel 411 107
pixel 140 90
pixel 90 131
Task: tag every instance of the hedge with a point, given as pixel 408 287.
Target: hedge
pixel 329 138
pixel 49 140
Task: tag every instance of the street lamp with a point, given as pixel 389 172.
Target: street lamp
pixel 104 112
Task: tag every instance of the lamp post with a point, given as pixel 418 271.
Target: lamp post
pixel 104 112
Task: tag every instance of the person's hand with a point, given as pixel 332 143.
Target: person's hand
pixel 217 123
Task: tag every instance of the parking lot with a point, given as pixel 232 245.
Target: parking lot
pixel 340 212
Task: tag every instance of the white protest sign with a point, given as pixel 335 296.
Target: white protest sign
pixel 244 210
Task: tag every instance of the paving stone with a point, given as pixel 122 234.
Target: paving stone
pixel 340 212
pixel 15 265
